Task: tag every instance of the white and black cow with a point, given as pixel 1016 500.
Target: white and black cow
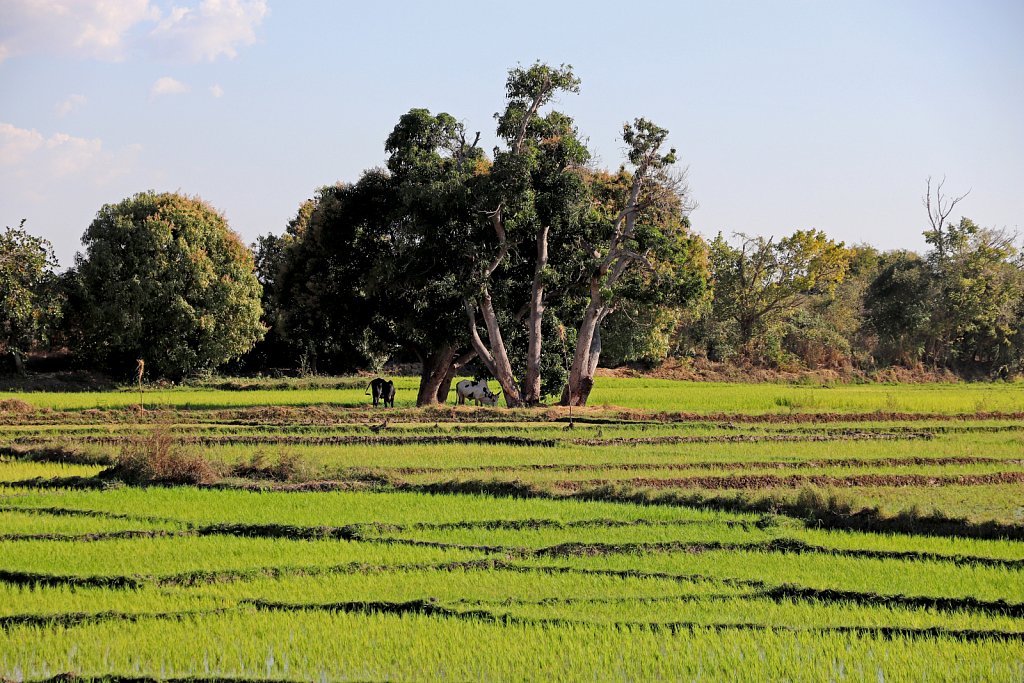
pixel 477 391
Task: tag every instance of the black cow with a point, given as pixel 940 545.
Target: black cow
pixel 382 390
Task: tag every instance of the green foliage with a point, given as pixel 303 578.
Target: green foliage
pixel 898 308
pixel 978 284
pixel 761 283
pixel 815 341
pixel 163 278
pixel 378 265
pixel 28 297
pixel 958 308
pixel 638 334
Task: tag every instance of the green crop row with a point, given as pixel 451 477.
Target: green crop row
pixel 377 646
pixel 162 557
pixel 14 523
pixel 815 571
pixel 962 550
pixel 636 393
pixel 205 506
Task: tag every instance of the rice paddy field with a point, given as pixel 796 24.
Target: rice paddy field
pixel 670 531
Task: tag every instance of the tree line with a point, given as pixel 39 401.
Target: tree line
pixel 527 263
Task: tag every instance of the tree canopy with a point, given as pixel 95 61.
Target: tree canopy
pixel 27 293
pixel 163 278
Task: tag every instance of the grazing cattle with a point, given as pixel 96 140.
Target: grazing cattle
pixel 382 390
pixel 478 391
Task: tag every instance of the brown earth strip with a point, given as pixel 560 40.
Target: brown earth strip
pixel 765 481
pixel 36 579
pixel 743 465
pixel 823 418
pixel 355 532
pixel 58 483
pixel 98 535
pixel 777 545
pixel 68 619
pixel 23 446
pixel 997 607
pixel 321 415
pixel 50 453
pixel 74 677
pixel 814 510
pixel 755 438
pixel 294 440
pixel 898 429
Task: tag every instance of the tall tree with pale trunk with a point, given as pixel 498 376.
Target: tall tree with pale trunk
pixel 638 225
pixel 534 186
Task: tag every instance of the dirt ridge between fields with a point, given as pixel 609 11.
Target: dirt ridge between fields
pixel 759 481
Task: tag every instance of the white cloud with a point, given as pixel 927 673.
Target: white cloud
pixel 28 155
pixel 17 143
pixel 97 29
pixel 216 90
pixel 167 86
pixel 112 30
pixel 72 103
pixel 213 29
pixel 70 154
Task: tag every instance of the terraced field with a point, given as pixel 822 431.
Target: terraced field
pixel 325 542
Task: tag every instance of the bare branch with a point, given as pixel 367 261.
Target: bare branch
pixel 942 206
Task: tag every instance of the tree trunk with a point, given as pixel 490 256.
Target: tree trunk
pixel 19 362
pixel 445 387
pixel 496 358
pixel 436 368
pixel 584 380
pixel 581 374
pixel 531 385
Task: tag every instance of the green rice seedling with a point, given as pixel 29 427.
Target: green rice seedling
pixel 460 585
pixel 37 603
pixel 635 393
pixel 816 571
pixel 155 558
pixel 332 646
pixel 753 611
pixel 314 509
pixel 13 471
pixel 14 523
pixel 540 538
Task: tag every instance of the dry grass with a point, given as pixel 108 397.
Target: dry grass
pixel 157 457
pixel 16 405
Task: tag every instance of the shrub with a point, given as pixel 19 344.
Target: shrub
pixel 289 467
pixel 157 457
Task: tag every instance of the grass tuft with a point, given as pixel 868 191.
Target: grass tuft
pixel 157 457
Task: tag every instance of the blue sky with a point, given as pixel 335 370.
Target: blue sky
pixel 789 114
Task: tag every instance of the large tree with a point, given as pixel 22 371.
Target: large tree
pixel 533 189
pixel 635 244
pixel 978 286
pixel 762 281
pixel 163 278
pixel 27 292
pixel 381 264
pixel 505 238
